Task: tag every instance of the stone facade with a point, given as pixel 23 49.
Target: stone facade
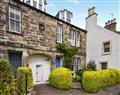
pixel 32 40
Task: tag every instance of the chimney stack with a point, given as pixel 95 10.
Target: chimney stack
pixel 111 25
pixel 91 11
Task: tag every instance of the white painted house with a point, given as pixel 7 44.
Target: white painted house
pixel 103 44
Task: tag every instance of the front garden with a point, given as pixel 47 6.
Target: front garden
pixel 91 80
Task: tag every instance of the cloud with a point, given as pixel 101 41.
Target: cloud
pixel 74 1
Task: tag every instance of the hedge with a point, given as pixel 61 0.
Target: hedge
pixel 93 81
pixel 6 78
pixel 61 78
pixel 21 79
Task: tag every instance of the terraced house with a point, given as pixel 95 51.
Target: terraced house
pixel 28 37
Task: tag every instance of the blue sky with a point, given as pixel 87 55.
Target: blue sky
pixel 79 8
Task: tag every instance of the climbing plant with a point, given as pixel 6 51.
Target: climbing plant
pixel 69 52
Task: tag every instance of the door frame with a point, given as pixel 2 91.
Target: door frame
pixel 60 61
pixel 15 52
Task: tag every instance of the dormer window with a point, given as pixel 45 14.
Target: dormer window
pixel 28 2
pixel 35 4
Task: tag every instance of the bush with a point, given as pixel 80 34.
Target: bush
pixel 93 81
pixel 81 71
pixel 21 79
pixel 61 78
pixel 77 78
pixel 91 65
pixel 6 78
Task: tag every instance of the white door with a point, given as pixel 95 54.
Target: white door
pixel 46 70
pixel 39 73
pixel 40 68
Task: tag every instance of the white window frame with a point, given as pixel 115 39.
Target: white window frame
pixel 18 12
pixel 77 39
pixel 34 4
pixel 59 33
pixel 72 38
pixel 76 64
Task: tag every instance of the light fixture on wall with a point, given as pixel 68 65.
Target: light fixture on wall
pixel 52 49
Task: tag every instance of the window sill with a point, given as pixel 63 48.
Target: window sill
pixel 15 33
pixel 106 53
pixel 75 46
pixel 58 42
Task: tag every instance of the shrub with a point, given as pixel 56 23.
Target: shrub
pixel 93 81
pixel 61 78
pixel 6 78
pixel 69 52
pixel 81 71
pixel 21 79
pixel 77 78
pixel 91 65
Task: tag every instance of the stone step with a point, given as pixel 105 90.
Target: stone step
pixel 76 85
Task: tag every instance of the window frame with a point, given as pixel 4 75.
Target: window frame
pixel 59 33
pixel 75 64
pixel 106 63
pixel 74 38
pixel 103 47
pixel 77 39
pixel 10 18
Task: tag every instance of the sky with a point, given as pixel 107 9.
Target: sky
pixel 79 8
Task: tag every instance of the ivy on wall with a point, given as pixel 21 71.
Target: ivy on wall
pixel 69 52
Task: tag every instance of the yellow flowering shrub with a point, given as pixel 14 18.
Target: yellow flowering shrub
pixel 61 78
pixel 93 81
pixel 21 79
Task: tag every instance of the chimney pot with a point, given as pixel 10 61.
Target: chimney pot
pixel 111 25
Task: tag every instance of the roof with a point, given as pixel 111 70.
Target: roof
pixel 27 5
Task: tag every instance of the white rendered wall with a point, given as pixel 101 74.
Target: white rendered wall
pixel 95 37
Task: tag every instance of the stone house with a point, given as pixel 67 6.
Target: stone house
pixel 103 43
pixel 28 37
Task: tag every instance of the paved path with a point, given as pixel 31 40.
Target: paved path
pixel 45 89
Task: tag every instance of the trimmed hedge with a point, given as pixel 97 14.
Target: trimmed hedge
pixel 93 81
pixel 21 79
pixel 6 78
pixel 61 78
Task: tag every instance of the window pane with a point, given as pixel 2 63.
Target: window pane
pixel 17 26
pixel 107 47
pixel 11 15
pixel 14 20
pixel 103 65
pixel 12 25
pixel 17 17
pixel 34 4
pixel 59 33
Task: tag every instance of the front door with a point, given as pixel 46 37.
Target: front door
pixel 58 62
pixel 39 73
pixel 15 60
